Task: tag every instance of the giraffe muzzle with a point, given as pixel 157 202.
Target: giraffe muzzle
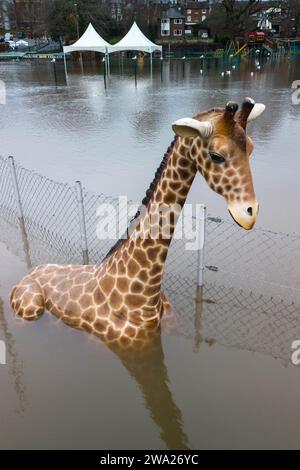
pixel 245 214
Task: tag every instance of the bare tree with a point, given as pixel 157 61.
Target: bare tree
pixel 232 18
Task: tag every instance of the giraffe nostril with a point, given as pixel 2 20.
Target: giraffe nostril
pixel 250 211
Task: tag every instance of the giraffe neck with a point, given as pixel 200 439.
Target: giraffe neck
pixel 141 257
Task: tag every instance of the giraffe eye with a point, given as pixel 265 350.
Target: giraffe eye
pixel 216 157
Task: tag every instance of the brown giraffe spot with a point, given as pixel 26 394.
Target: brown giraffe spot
pixel 91 285
pixel 100 325
pixel 141 334
pixel 115 299
pixel 157 268
pixel 103 310
pixel 143 275
pixel 153 253
pixel 136 317
pixel 133 268
pixel 87 327
pixel 208 165
pixel 89 315
pixel 136 287
pixel 228 187
pixel 184 162
pixel 230 173
pixel 122 284
pixel 112 334
pixel 74 322
pixel 106 284
pixel 134 300
pixel 150 290
pixel 130 331
pixel 219 190
pixel 175 185
pixel 164 185
pixel 170 198
pixel 72 309
pixel 86 301
pixel 184 174
pixel 148 242
pixel 216 179
pixel 124 341
pixel 121 267
pixel 168 175
pixel 155 280
pixel 119 321
pixel 99 297
pixel 63 300
pixel 75 292
pixel 141 257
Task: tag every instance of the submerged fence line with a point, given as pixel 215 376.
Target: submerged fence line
pixel 61 221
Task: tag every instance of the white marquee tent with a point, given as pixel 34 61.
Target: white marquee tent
pixel 89 41
pixel 135 40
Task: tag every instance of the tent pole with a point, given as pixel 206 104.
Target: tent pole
pixel 108 64
pixel 66 69
pixel 151 62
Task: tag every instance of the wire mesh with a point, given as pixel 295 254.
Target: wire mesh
pixel 251 296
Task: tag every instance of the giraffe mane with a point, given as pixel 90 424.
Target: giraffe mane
pixel 146 200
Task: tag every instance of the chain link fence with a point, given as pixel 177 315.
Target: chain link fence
pixel 251 293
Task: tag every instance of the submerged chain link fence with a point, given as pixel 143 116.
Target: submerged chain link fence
pixel 251 293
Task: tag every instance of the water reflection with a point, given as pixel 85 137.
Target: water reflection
pixel 148 369
pixel 15 365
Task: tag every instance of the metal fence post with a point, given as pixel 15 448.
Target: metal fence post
pixel 200 263
pixel 20 211
pixel 16 188
pixel 83 233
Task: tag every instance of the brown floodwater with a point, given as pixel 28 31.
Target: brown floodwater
pixel 223 377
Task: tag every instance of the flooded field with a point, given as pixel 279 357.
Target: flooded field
pixel 223 376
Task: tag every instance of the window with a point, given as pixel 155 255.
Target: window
pixel 177 21
pixel 189 12
pixel 177 32
pixel 164 21
pixel 204 12
pixel 189 18
pixel 165 32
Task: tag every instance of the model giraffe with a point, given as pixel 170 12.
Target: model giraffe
pixel 120 300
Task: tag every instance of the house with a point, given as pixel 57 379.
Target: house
pixel 29 14
pixel 195 13
pixel 171 24
pixel 183 21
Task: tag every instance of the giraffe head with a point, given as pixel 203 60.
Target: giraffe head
pixel 219 146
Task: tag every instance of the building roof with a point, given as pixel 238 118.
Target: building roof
pixel 172 14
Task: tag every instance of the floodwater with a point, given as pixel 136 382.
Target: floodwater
pixel 224 377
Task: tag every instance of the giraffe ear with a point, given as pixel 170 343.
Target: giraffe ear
pixel 189 127
pixel 256 111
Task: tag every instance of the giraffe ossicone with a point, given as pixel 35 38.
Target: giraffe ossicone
pixel 120 299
